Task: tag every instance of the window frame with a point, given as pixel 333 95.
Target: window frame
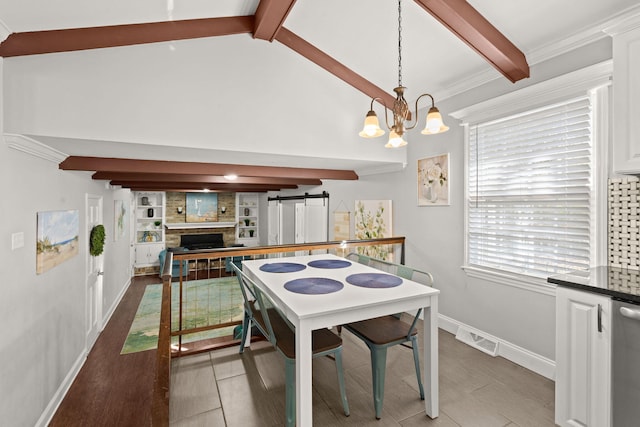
pixel 596 80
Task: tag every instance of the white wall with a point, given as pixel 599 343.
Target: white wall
pixel 191 93
pixel 44 316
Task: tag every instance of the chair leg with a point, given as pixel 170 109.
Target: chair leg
pixel 245 328
pixel 416 359
pixel 378 367
pixel 290 392
pixel 343 392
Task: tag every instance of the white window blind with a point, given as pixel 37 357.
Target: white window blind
pixel 530 190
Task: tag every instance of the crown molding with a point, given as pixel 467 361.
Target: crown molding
pixel 33 148
pixel 4 31
pixel 623 21
pixel 379 169
pixel 543 92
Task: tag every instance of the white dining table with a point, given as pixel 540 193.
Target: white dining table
pixel 308 312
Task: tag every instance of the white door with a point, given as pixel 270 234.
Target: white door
pixel 274 237
pixel 316 223
pixel 299 228
pixel 94 274
pixel 311 221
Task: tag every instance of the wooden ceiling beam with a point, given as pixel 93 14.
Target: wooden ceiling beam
pixel 193 168
pixel 38 42
pixel 318 57
pixel 198 186
pixel 472 28
pixel 270 15
pixel 177 178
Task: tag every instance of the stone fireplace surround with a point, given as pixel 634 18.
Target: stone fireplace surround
pixel 175 200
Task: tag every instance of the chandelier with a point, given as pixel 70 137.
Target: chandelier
pixel 401 112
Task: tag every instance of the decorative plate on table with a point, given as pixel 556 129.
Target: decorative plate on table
pixel 282 267
pixel 313 285
pixel 329 263
pixel 374 280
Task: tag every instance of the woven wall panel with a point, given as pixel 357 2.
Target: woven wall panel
pixel 624 222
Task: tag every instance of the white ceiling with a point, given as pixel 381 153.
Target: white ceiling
pixel 361 34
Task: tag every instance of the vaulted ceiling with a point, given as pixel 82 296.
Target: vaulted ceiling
pixel 449 42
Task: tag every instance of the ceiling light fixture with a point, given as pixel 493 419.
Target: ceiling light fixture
pixel 401 112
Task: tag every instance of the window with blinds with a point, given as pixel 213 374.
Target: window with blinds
pixel 530 190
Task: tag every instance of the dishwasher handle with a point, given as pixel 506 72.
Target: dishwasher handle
pixel 630 313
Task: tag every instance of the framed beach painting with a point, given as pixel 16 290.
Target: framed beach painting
pixel 433 181
pixel 57 234
pixel 202 207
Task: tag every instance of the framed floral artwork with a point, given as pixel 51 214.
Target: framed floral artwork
pixel 373 220
pixel 433 181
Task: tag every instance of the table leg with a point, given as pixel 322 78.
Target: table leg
pixel 304 355
pixel 431 357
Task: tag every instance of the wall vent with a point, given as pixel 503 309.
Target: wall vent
pixel 477 341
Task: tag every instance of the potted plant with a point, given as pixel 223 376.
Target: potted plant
pixel 246 222
pixel 251 233
pixel 157 223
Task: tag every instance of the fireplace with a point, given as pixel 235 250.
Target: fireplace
pixel 202 241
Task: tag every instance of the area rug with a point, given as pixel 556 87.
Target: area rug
pixel 206 302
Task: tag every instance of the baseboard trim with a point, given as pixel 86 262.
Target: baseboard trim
pixel 521 356
pixel 115 304
pixel 54 403
pixel 52 407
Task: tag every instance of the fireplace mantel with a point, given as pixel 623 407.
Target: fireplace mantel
pixel 194 225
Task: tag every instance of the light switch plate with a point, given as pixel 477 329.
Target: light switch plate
pixel 17 240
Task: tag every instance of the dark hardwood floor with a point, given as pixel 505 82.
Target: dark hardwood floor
pixel 113 389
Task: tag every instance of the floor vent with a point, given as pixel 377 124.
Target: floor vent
pixel 483 344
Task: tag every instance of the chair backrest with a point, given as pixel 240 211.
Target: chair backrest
pixel 247 286
pixel 361 259
pixel 400 270
pixel 267 315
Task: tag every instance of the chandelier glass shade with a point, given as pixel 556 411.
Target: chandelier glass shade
pixel 400 109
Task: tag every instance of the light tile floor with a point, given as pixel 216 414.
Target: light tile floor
pixel 225 389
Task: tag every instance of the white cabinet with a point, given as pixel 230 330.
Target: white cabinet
pixel 149 227
pixel 247 217
pixel 583 358
pixel 148 254
pixel 626 96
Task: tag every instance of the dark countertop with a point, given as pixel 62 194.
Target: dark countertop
pixel 617 282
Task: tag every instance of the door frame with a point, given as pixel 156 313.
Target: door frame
pixel 94 275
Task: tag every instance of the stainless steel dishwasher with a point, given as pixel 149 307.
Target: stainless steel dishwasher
pixel 626 364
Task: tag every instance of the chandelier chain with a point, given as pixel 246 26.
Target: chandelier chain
pixel 399 42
